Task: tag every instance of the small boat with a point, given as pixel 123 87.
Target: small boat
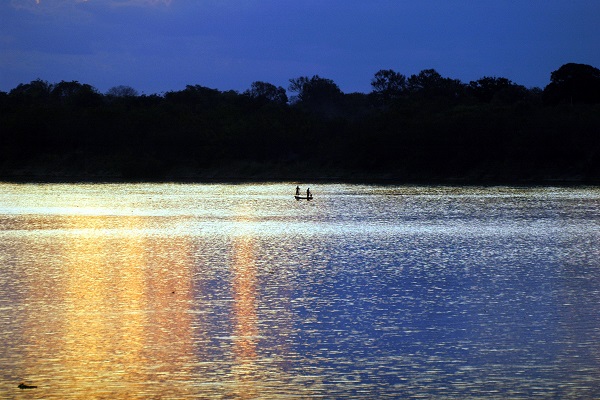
pixel 303 197
pixel 25 386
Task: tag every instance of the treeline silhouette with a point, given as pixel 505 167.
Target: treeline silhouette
pixel 420 128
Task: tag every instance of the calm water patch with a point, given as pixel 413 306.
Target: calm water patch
pixel 240 291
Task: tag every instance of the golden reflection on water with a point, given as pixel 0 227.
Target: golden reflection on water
pixel 124 326
pixel 245 317
pixel 125 320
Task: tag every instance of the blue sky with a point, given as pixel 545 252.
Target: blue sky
pixel 160 45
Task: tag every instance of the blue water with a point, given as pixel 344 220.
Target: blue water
pixel 240 291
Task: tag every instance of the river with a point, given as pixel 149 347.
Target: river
pixel 187 291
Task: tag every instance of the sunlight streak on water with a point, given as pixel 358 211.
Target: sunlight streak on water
pixel 240 291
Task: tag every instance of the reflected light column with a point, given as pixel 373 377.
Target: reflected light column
pixel 245 317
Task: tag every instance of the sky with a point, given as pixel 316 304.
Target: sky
pixel 156 46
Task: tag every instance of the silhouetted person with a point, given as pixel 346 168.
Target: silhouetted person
pixel 307 193
pixel 297 190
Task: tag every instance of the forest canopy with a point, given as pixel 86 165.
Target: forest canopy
pixel 419 128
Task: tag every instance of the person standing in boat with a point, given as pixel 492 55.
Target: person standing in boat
pixel 297 190
pixel 308 193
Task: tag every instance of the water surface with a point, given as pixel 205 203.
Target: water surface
pixel 239 291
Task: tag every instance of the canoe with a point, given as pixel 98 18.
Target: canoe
pixel 25 386
pixel 303 198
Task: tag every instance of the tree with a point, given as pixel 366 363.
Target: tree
pixel 430 84
pixel 388 84
pixel 502 90
pixel 315 89
pixel 267 92
pixel 573 83
pixel 75 93
pixel 122 91
pixel 427 80
pixel 318 95
pixel 35 91
pixel 194 94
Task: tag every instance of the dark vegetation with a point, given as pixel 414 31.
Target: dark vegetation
pixel 423 128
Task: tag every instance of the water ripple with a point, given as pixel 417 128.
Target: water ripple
pixel 239 291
